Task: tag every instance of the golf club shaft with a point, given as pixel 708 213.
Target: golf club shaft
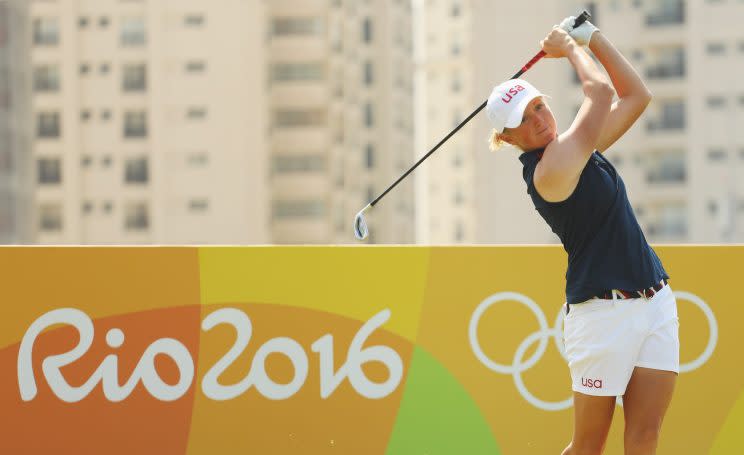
pixel 580 19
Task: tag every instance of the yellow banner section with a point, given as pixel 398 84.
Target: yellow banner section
pixel 364 350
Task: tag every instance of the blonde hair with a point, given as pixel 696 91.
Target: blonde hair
pixel 496 141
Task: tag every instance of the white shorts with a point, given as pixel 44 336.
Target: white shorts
pixel 606 339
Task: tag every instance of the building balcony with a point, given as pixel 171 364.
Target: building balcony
pixel 676 71
pixel 669 124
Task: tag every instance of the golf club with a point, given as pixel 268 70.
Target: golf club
pixel 360 225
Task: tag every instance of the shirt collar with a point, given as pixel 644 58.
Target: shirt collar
pixel 531 156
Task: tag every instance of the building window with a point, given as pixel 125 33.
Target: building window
pixel 369 156
pixel 105 115
pixel 669 63
pixel 368 73
pixel 108 207
pixel 134 77
pixel 135 124
pixel 285 164
pixel 287 26
pixel 456 9
pixel 458 197
pixel 459 231
pixel 312 71
pixel 87 207
pixel 136 216
pixel 136 170
pixel 715 102
pixel 457 159
pixel 197 159
pixel 84 68
pixel 82 22
pixel 666 12
pixel 103 22
pixel 193 20
pixel 48 125
pixel 46 78
pixel 457 83
pixel 84 115
pixel 456 118
pixel 132 32
pixel 198 205
pixel 50 217
pixel 717 154
pixel 670 116
pixel 196 66
pixel 86 161
pixel 299 118
pixel 666 167
pixel 369 115
pixel 196 113
pixel 667 220
pixel 49 171
pixel 104 68
pixel 367 30
pixel 46 31
pixel 715 48
pixel 456 46
pixel 298 209
pixel 106 161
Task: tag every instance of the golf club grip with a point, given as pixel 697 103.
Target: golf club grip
pixel 583 17
pixel 580 19
pixel 529 64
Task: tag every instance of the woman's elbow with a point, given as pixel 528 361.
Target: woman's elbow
pixel 646 97
pixel 601 91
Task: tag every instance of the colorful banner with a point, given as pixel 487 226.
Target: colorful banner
pixel 314 350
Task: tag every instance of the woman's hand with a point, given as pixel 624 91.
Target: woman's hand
pixel 558 43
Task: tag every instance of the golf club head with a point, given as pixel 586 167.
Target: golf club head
pixel 360 225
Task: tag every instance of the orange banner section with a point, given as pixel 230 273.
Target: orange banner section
pixel 277 350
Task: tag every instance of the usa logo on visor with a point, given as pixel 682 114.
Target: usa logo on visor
pixel 511 93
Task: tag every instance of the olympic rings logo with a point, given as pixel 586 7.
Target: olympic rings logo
pixel 544 333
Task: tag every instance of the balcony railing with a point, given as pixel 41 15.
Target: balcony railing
pixel 666 124
pixel 668 229
pixel 666 174
pixel 666 71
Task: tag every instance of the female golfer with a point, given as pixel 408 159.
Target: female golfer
pixel 621 326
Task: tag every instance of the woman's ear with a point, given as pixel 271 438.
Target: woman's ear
pixel 506 137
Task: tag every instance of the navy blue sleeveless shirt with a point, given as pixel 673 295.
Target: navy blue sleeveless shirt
pixel 599 231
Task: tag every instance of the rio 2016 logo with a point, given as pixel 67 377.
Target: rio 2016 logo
pixel 544 333
pixel 107 371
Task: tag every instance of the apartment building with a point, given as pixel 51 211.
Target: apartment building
pixel 341 113
pixel 145 121
pixel 167 121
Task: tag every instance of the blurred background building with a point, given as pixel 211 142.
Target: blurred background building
pixel 340 88
pixel 184 121
pixel 275 121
